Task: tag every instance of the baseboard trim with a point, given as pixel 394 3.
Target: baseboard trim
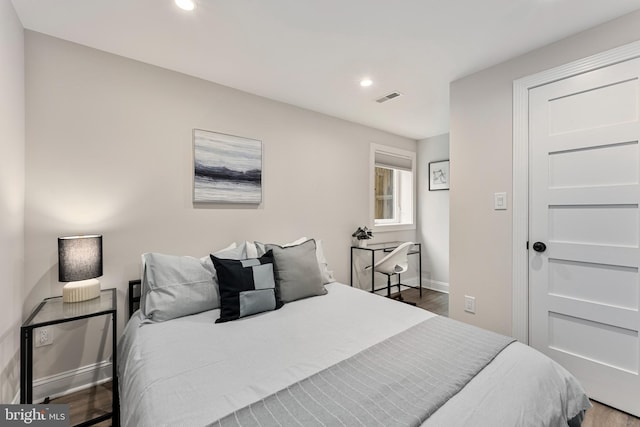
pixel 71 381
pixel 411 281
pixel 435 285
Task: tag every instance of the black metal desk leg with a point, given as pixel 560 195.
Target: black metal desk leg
pixel 373 271
pixel 115 394
pixel 420 268
pixel 26 365
pixel 351 267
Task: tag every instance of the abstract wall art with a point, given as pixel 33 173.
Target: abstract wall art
pixel 227 168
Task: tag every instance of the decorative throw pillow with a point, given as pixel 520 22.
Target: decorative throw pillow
pixel 246 286
pixel 327 275
pixel 296 271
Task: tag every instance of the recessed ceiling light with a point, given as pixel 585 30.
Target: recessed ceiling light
pixel 185 4
pixel 366 82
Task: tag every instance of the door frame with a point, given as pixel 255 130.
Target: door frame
pixel 521 88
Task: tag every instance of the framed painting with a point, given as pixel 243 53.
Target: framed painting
pixel 226 168
pixel 439 175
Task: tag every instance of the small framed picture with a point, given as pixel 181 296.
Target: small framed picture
pixel 439 175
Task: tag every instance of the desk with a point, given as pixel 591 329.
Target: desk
pixel 52 311
pixel 386 247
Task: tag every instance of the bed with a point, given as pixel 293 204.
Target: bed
pixel 191 371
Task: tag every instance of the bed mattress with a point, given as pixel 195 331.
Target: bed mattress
pixel 190 371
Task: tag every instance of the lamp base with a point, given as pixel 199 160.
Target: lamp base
pixel 81 290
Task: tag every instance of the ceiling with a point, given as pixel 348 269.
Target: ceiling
pixel 313 53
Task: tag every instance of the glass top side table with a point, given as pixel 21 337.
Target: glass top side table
pixel 52 311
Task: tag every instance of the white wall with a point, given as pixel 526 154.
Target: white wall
pixel 109 151
pixel 481 159
pixel 12 147
pixel 433 216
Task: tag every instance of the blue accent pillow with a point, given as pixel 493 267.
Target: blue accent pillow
pixel 246 286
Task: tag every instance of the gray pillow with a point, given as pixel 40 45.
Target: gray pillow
pixel 325 273
pixel 296 271
pixel 176 286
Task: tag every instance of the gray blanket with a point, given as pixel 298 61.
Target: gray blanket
pixel 399 382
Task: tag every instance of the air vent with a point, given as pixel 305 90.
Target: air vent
pixel 388 97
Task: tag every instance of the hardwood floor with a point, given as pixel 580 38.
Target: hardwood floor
pixel 598 416
pixel 434 301
pixel 602 415
pixel 88 403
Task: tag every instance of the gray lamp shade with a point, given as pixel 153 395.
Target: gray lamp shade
pixel 79 258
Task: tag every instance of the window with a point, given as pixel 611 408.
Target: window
pixel 385 209
pixel 393 206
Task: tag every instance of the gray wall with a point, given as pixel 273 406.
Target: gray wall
pixel 109 151
pixel 481 159
pixel 433 216
pixel 12 147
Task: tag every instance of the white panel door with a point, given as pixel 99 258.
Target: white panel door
pixel 584 288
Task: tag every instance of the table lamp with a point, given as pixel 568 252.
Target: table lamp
pixel 79 263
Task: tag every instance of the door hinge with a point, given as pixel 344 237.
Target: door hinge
pixel 527 245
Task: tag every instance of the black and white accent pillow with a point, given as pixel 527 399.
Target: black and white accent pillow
pixel 246 286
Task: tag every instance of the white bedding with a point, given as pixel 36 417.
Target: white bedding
pixel 191 371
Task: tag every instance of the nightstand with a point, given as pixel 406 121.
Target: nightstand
pixel 53 311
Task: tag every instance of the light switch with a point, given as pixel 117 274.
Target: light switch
pixel 499 201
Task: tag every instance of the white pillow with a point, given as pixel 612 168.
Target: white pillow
pixel 252 250
pixel 233 252
pixel 206 260
pixel 327 275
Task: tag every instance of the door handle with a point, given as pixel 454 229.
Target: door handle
pixel 539 247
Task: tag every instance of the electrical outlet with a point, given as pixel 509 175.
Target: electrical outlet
pixel 469 304
pixel 44 336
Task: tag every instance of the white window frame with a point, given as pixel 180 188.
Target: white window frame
pixel 381 226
